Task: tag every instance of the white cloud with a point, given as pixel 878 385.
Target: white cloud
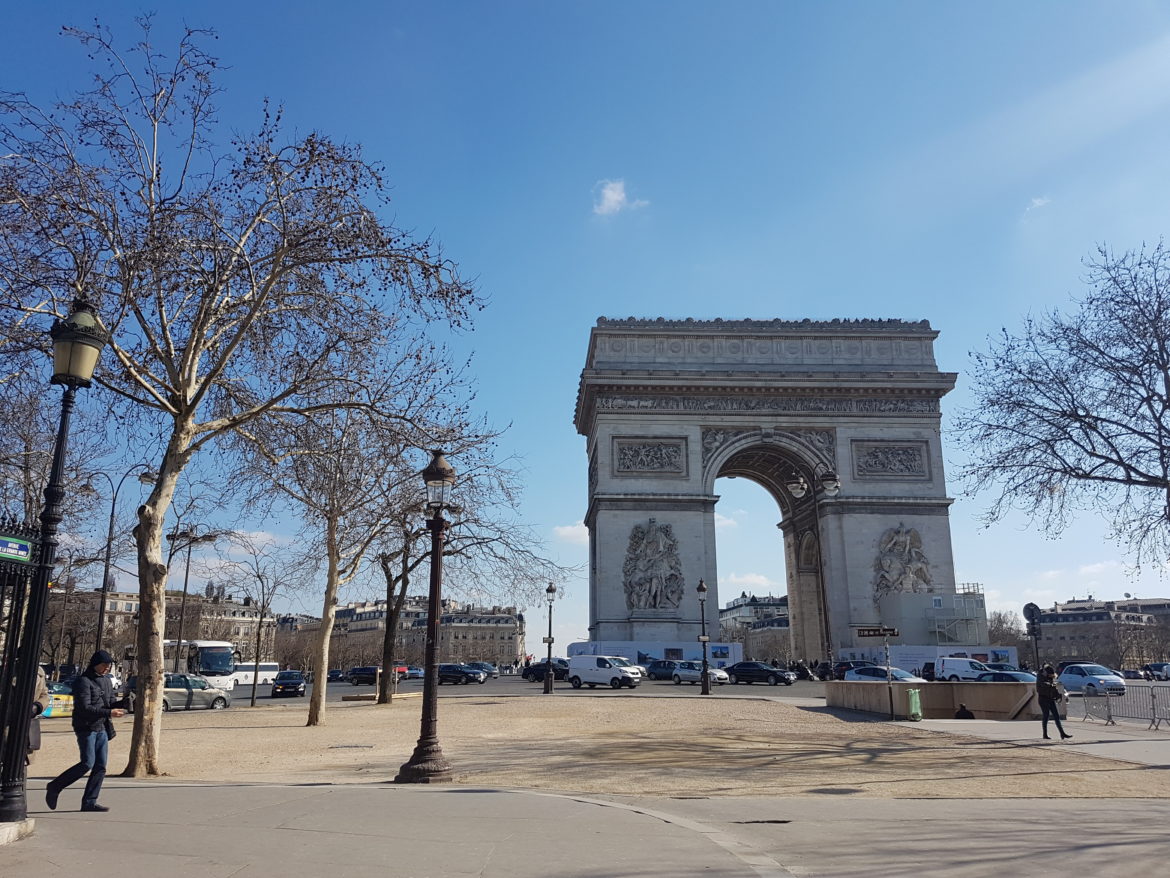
pixel 1038 203
pixel 1098 568
pixel 578 533
pixel 749 580
pixel 724 521
pixel 611 198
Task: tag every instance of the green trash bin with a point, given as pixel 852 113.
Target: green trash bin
pixel 914 704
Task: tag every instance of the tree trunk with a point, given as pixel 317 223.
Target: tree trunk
pixel 328 611
pixel 395 597
pixel 152 609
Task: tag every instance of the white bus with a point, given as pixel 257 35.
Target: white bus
pixel 213 659
pixel 245 672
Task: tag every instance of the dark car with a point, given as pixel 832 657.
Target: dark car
pixel 1006 677
pixel 535 671
pixel 661 669
pixel 460 674
pixel 842 668
pixel 289 683
pixel 487 667
pixel 336 675
pixel 758 672
pixel 365 675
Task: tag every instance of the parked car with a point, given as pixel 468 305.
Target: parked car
pixel 60 700
pixel 758 672
pixel 1001 666
pixel 660 669
pixel 415 673
pixel 598 670
pixel 1159 670
pixel 367 675
pixel 877 673
pixel 190 692
pixel 487 667
pixel 289 683
pixel 535 671
pixel 1130 674
pixel 692 672
pixel 842 668
pixel 1091 679
pixel 336 675
pixel 1006 677
pixel 460 674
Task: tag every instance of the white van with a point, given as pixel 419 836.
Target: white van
pixel 606 670
pixel 955 668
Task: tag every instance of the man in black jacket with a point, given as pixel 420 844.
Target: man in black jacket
pixel 93 697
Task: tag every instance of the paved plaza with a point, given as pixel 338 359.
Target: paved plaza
pixel 760 785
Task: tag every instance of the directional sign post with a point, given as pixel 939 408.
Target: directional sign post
pixel 877 632
pixel 887 633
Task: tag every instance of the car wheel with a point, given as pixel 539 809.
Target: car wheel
pixel 731 678
pixel 615 683
pixel 772 681
pixel 166 705
pixel 1089 690
pixel 677 680
pixel 481 682
pixel 575 682
pixel 787 682
pixel 440 681
pixel 952 679
pixel 219 704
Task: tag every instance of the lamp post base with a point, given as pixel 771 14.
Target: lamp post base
pixel 426 765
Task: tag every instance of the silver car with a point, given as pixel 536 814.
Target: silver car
pixel 692 672
pixel 190 691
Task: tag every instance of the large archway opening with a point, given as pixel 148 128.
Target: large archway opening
pixel 756 554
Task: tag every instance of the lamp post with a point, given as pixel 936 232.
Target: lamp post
pixel 830 485
pixel 705 684
pixel 145 478
pixel 190 535
pixel 77 343
pixel 428 764
pixel 550 595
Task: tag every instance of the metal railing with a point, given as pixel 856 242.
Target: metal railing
pixel 1150 703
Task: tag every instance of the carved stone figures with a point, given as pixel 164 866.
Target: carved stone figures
pixel 652 574
pixel 901 565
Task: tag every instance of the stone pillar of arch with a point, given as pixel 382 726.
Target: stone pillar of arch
pixel 669 406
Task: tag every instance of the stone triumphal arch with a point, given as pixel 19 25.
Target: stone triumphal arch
pixel 837 420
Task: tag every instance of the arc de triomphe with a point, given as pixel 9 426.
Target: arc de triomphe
pixel 844 413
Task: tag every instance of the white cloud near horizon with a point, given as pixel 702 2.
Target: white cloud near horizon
pixel 1037 203
pixel 577 534
pixel 611 198
pixel 724 521
pixel 748 581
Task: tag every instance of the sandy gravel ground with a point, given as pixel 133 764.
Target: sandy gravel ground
pixel 619 746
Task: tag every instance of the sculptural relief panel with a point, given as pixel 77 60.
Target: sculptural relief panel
pixel 649 456
pixel 652 573
pixel 904 461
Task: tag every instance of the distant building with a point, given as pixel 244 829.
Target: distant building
pixel 761 624
pixel 1119 634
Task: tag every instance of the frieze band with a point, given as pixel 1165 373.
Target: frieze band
pixel 813 404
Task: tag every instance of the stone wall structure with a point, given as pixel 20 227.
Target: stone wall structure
pixel 669 406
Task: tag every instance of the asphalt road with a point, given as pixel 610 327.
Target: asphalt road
pixel 516 685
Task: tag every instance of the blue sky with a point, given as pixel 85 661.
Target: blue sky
pixel 954 162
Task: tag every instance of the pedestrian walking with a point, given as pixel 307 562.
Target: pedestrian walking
pixel 1048 694
pixel 93 699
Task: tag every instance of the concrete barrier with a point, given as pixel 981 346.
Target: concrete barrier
pixel 1003 701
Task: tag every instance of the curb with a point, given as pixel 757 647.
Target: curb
pixel 13 832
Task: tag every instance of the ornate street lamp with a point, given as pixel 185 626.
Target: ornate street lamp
pixel 830 485
pixel 705 684
pixel 146 478
pixel 77 343
pixel 550 595
pixel 190 536
pixel 428 764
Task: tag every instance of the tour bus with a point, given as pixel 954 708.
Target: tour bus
pixel 213 659
pixel 245 672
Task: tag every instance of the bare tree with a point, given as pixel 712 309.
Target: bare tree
pixel 1005 628
pixel 238 282
pixel 1074 410
pixel 259 570
pixel 488 553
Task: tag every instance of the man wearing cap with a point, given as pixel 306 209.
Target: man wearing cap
pixel 93 697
